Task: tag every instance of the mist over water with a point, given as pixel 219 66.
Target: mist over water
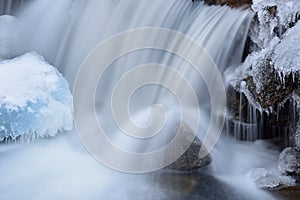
pixel 65 32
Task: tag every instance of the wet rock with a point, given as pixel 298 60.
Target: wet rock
pixel 289 193
pixel 190 160
pixel 246 122
pixel 273 92
pixel 272 10
pixel 231 3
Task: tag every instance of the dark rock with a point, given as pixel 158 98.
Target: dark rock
pixel 231 3
pixel 272 10
pixel 274 91
pixel 190 160
pixel 247 123
pixel 289 193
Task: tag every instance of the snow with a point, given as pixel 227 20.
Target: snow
pixel 271 179
pixel 34 98
pixel 8 37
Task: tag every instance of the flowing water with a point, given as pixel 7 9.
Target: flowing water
pixel 65 32
pixel 7 7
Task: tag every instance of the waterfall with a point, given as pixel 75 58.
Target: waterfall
pixel 74 28
pixel 8 7
pixel 66 31
pixel 69 30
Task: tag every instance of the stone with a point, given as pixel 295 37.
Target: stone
pixel 190 160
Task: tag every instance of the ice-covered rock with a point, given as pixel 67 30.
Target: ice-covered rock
pixel 271 179
pixel 272 73
pixel 269 78
pixel 274 17
pixel 34 98
pixel 264 90
pixel 289 161
pixel 8 37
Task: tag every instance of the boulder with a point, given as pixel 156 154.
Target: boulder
pixel 190 160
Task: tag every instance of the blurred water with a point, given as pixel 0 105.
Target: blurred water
pixel 9 7
pixel 60 168
pixel 64 32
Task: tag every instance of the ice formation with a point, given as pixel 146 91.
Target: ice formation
pixel 289 161
pixel 282 54
pixel 34 98
pixel 275 33
pixel 271 179
pixel 272 69
pixel 274 17
pixel 275 36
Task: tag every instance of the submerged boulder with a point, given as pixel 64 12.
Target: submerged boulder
pixel 190 160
